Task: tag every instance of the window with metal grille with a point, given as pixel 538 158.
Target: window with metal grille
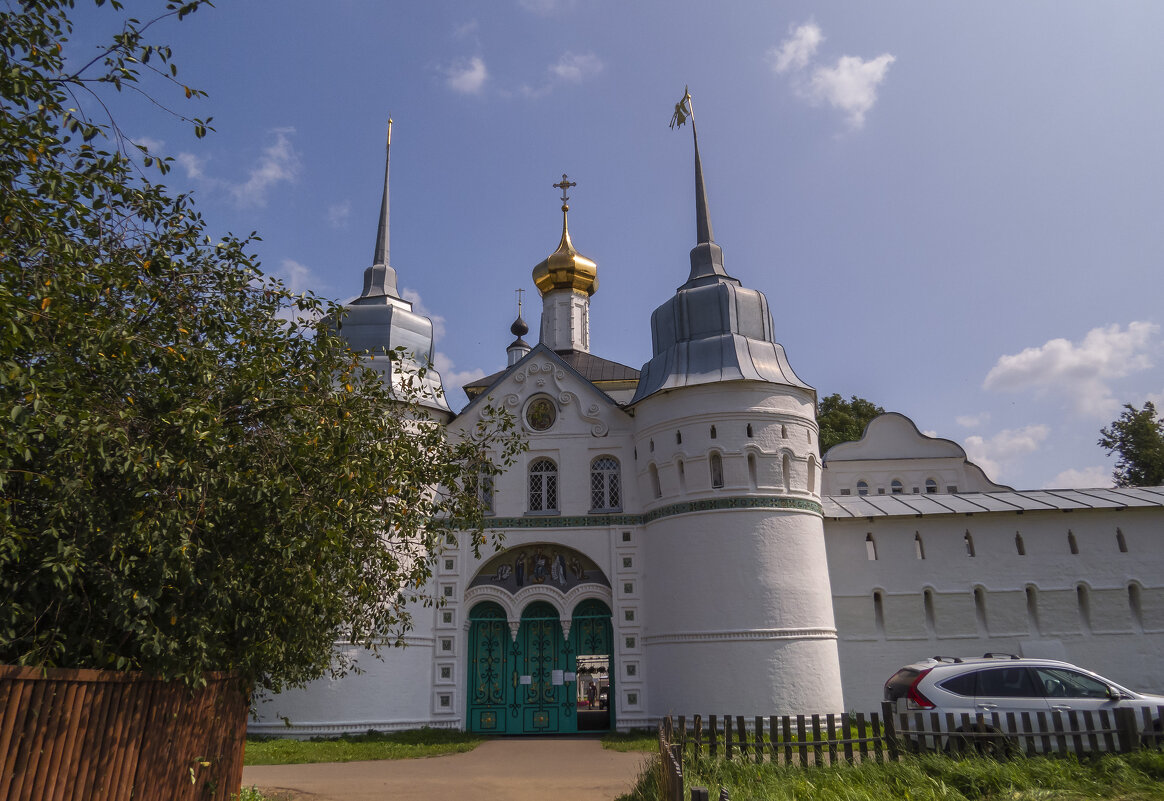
pixel 485 489
pixel 605 484
pixel 543 486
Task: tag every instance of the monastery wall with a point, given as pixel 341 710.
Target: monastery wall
pixel 1086 586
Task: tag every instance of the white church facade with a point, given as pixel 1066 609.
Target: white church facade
pixel 675 543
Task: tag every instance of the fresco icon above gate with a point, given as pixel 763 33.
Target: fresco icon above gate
pixel 539 564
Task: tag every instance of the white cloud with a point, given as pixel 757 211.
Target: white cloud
pixel 466 30
pixel 338 214
pixel 850 85
pixel 467 77
pixel 973 420
pixel 996 454
pixel 451 378
pixel 438 322
pixel 1092 477
pixel 278 163
pixel 153 145
pixel 1079 372
pixel 193 165
pixel 573 67
pixel 798 49
pixel 297 277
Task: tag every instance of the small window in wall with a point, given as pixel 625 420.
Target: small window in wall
pixel 1072 543
pixel 980 608
pixel 651 446
pixel 896 487
pixel 656 487
pixel 809 436
pixel 969 543
pixel 879 612
pixel 1018 544
pixel 1084 598
pixel 682 475
pixel 752 477
pixel 605 484
pixel 952 489
pixel 931 487
pixel 716 464
pixel 928 605
pixel 1121 543
pixel 786 470
pixel 543 486
pixel 870 548
pixel 678 437
pixel 1136 606
pixel 862 488
pixel 783 431
pixel 812 473
pixel 917 490
pixel 919 547
pixel 713 432
pixel 845 491
pixel 881 490
pixel 626 536
pixel 1033 610
pixel 750 431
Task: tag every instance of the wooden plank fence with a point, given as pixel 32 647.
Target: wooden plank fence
pixel 94 735
pixel 809 740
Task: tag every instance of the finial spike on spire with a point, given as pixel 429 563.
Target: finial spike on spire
pixel 381 254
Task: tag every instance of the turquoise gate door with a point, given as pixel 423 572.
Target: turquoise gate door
pixel 528 685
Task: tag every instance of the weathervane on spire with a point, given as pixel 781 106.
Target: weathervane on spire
pixel 683 110
pixel 565 184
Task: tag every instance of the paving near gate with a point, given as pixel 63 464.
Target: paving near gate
pixel 525 769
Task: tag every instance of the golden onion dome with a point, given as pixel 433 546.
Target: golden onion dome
pixel 566 268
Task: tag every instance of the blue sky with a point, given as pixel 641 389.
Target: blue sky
pixel 954 209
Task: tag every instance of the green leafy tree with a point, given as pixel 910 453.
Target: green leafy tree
pixel 1138 437
pixel 195 473
pixel 843 420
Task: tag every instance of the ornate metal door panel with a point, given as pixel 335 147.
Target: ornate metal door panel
pixel 591 633
pixel 489 674
pixel 547 701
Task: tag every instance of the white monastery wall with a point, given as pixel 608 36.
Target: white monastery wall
pixel 1088 587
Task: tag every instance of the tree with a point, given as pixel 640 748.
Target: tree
pixel 843 420
pixel 195 473
pixel 1138 437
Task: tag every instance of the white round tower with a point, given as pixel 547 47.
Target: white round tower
pixel 736 582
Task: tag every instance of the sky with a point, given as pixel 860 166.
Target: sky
pixel 954 209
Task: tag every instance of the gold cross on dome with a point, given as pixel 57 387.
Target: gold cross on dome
pixel 565 184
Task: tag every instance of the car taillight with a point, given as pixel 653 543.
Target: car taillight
pixel 913 697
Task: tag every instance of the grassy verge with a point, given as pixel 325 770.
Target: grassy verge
pixel 634 740
pixel 350 748
pixel 1131 777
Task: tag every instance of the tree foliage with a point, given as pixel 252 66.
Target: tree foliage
pixel 1138 437
pixel 195 473
pixel 843 420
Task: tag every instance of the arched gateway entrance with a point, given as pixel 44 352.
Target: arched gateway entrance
pixel 533 669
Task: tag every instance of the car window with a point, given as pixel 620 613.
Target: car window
pixel 1060 683
pixel 899 683
pixel 960 685
pixel 1008 682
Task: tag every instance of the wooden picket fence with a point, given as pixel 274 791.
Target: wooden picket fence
pixel 94 735
pixel 807 740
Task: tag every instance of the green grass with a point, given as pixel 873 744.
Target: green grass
pixel 252 794
pixel 350 748
pixel 1130 777
pixel 634 740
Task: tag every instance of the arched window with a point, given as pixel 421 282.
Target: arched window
pixel 1136 606
pixel 656 487
pixel 896 487
pixel 786 470
pixel 678 437
pixel 682 475
pixel 969 543
pixel 980 608
pixel 715 462
pixel 928 606
pixel 783 431
pixel 879 611
pixel 749 430
pixel 1084 597
pixel 543 486
pixel 812 474
pixel 862 488
pixel 919 548
pixel 752 473
pixel 485 488
pixel 931 487
pixel 713 432
pixel 1018 544
pixel 605 484
pixel 1033 610
pixel 870 548
pixel 1121 543
pixel 1072 543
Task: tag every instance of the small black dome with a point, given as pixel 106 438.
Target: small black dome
pixel 519 328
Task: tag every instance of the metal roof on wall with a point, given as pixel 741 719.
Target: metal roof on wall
pixel 852 506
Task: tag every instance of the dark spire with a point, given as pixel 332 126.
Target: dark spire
pixel 380 278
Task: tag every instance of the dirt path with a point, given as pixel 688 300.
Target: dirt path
pixel 498 770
